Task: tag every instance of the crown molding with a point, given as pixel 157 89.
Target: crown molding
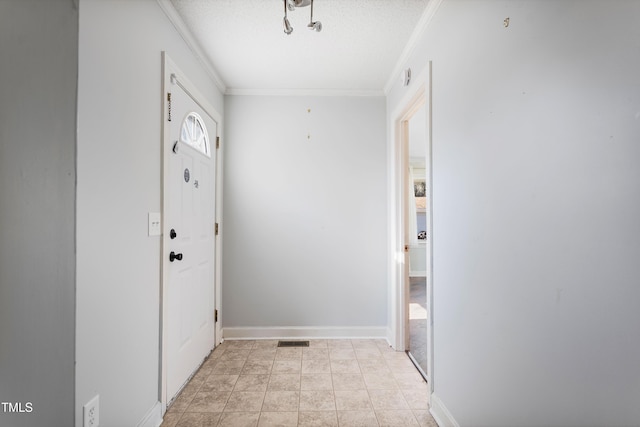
pixel 418 32
pixel 303 92
pixel 190 40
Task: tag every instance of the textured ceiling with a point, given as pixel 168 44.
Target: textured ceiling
pixel 357 50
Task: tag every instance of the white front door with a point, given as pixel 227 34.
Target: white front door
pixel 189 227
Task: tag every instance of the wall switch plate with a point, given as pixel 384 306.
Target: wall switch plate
pixel 155 225
pixel 91 413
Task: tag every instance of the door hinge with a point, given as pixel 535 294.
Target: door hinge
pixel 217 142
pixel 215 316
pixel 169 106
pixel 217 228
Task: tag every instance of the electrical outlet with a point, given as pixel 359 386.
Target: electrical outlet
pixel 91 413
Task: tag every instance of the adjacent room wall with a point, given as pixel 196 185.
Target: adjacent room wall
pixel 38 71
pixel 119 173
pixel 304 214
pixel 536 200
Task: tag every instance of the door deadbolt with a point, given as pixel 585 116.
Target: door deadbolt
pixel 173 234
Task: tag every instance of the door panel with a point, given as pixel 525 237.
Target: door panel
pixel 189 189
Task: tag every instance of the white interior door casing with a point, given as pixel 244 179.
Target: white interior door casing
pixel 415 97
pixel 189 240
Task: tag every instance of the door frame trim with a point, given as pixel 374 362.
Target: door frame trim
pixel 398 163
pixel 169 69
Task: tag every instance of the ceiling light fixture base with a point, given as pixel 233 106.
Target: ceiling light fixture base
pixel 291 5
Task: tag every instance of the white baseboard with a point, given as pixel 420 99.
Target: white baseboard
pixel 389 336
pixel 153 417
pixel 441 414
pixel 418 273
pixel 304 332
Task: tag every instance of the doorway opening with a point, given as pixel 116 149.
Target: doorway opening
pixel 417 233
pixel 412 232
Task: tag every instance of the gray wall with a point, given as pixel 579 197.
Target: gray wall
pixel 119 171
pixel 38 72
pixel 536 200
pixel 304 219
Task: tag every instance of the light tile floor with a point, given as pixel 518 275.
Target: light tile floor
pixel 330 383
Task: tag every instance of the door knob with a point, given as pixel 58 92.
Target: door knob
pixel 172 234
pixel 173 256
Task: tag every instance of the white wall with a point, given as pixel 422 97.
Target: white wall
pixel 38 71
pixel 118 265
pixel 536 131
pixel 304 218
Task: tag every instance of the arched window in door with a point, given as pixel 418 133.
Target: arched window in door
pixel 194 133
